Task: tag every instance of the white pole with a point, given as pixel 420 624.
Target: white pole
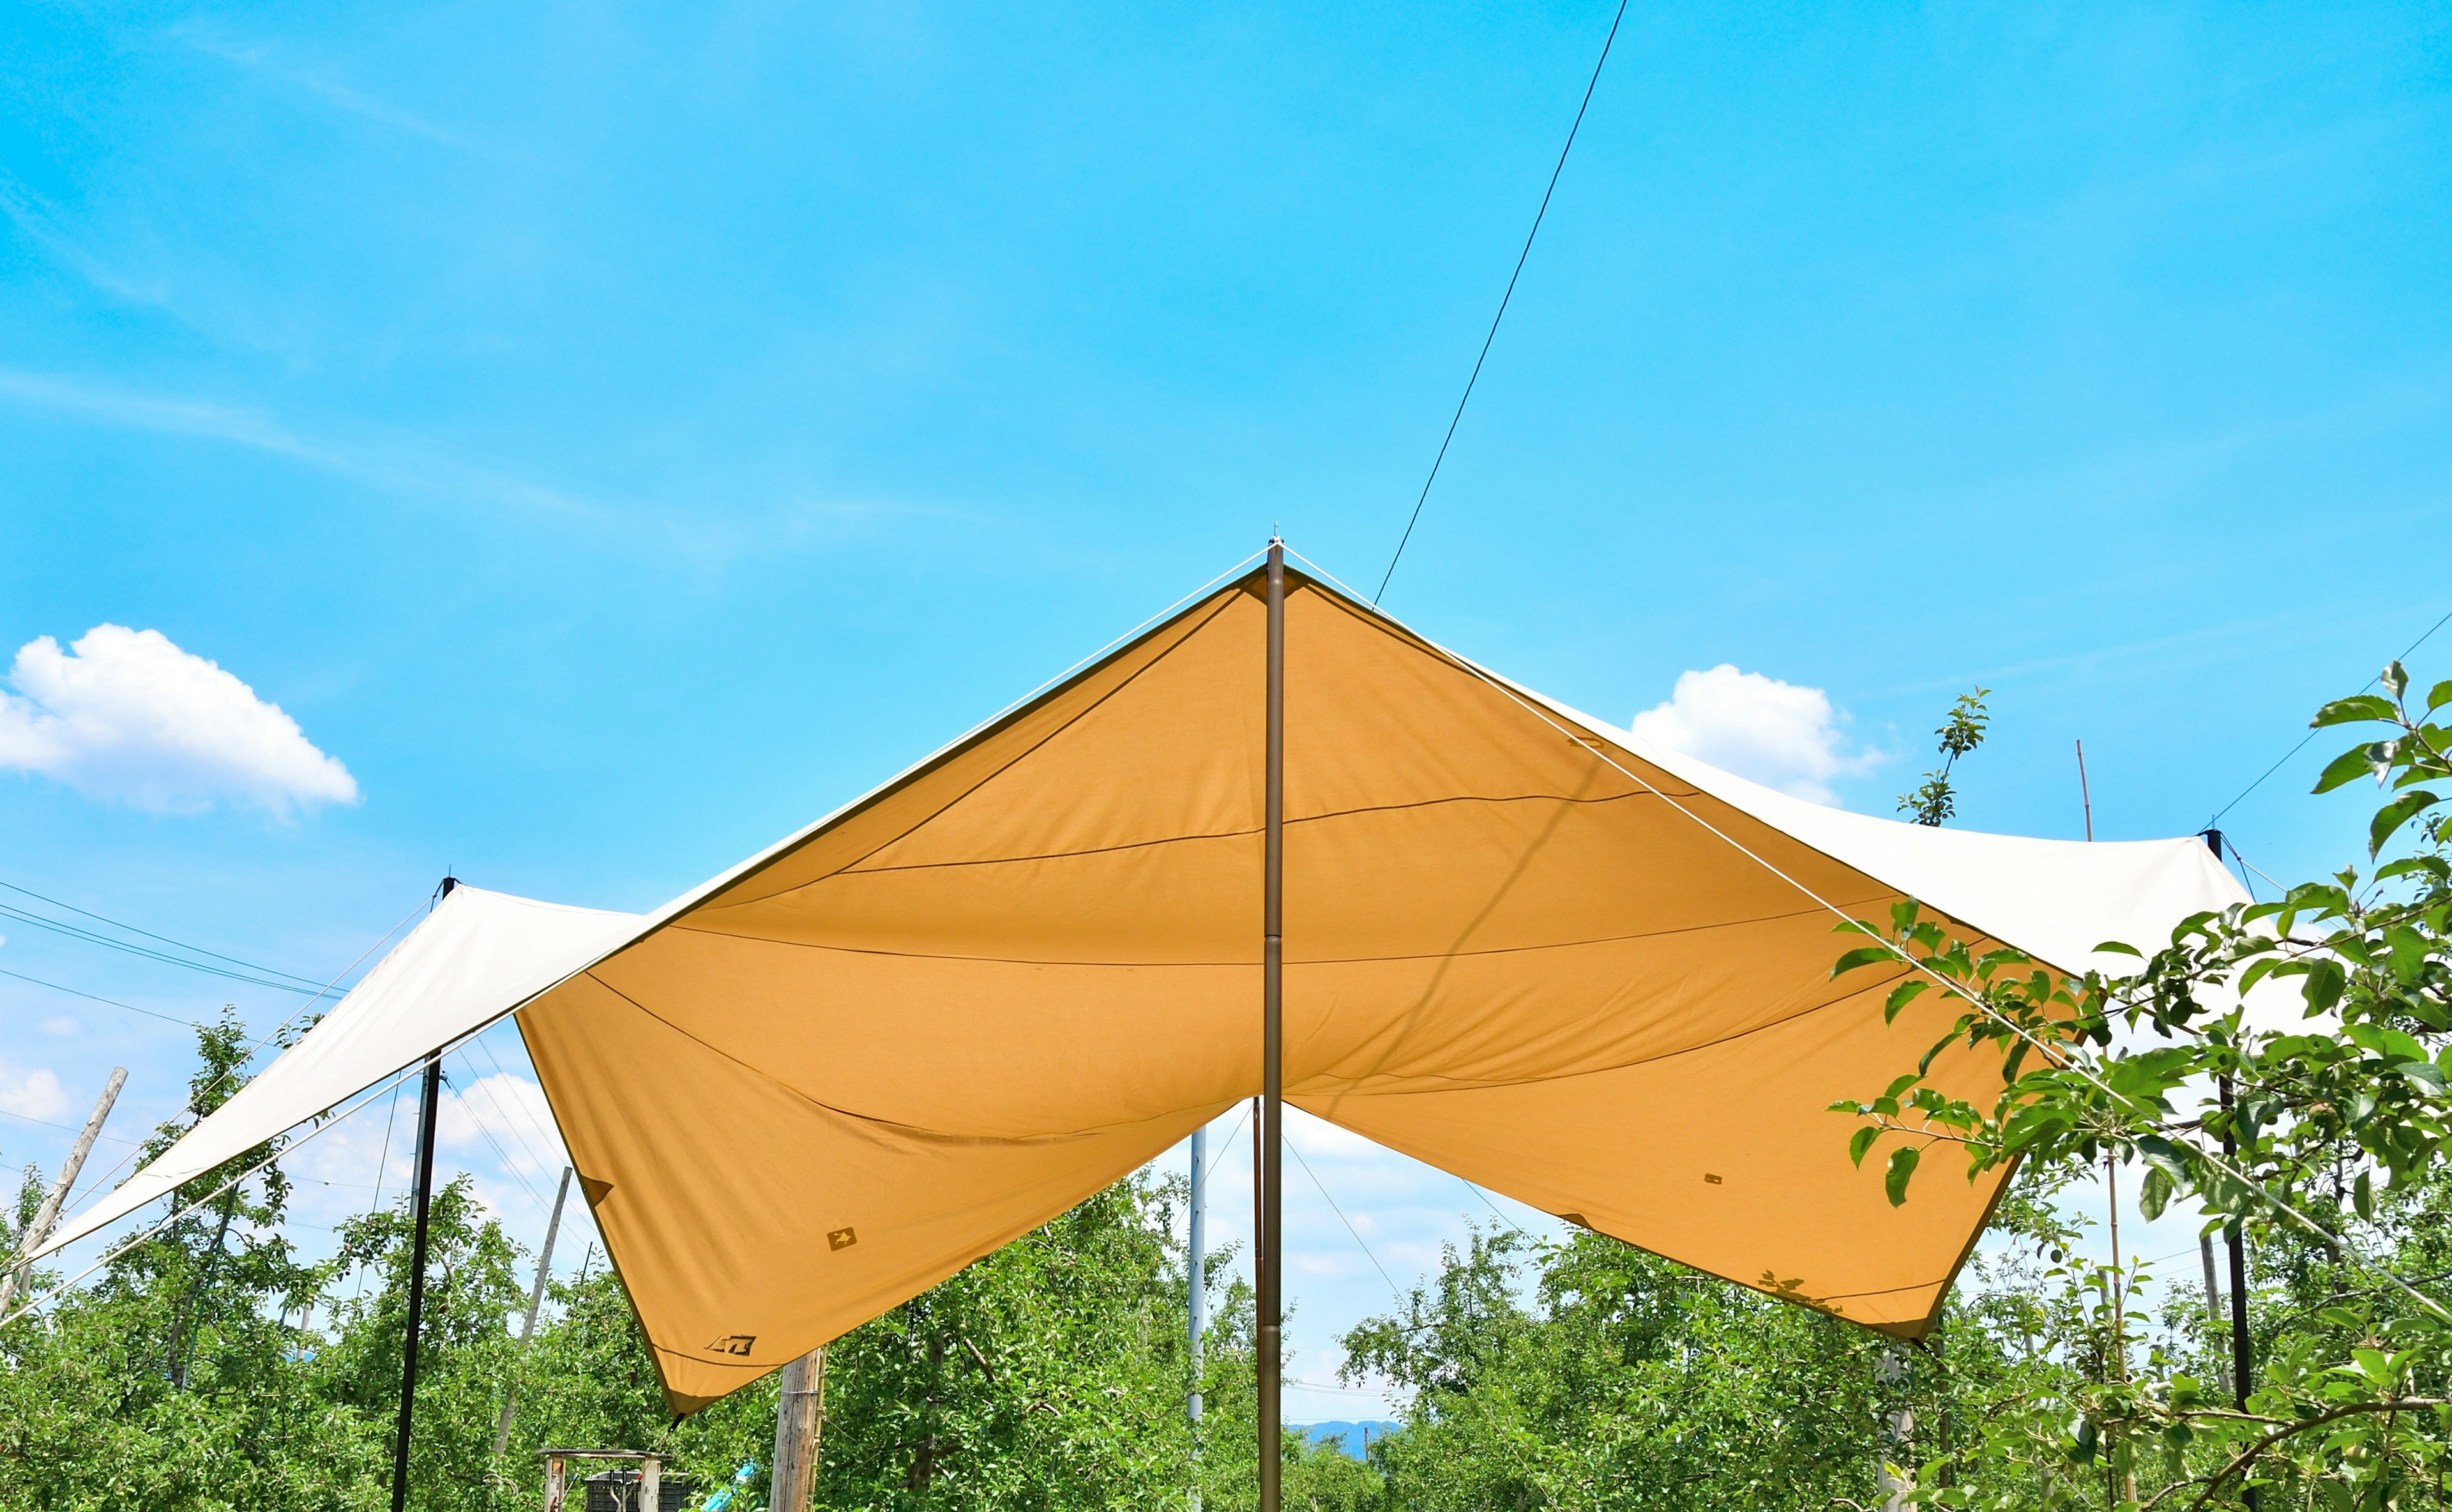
pixel 48 1213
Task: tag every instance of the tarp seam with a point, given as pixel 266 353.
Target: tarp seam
pixel 1332 960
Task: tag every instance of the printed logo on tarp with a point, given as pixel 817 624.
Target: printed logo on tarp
pixel 733 1343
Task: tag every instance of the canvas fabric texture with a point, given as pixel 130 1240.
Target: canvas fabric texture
pixel 1520 945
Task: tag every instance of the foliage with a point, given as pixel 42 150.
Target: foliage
pixel 1622 1380
pixel 2282 1064
pixel 211 1369
pixel 1934 800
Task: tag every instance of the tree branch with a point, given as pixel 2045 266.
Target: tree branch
pixel 2247 1456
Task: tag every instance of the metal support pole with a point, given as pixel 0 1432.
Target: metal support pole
pixel 1197 1271
pixel 1272 1129
pixel 536 1300
pixel 2241 1361
pixel 2242 1364
pixel 426 1109
pixel 2213 1300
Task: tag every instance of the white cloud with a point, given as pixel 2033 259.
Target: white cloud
pixel 60 1025
pixel 36 1094
pixel 126 716
pixel 1778 733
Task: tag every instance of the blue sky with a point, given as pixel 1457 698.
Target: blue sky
pixel 615 438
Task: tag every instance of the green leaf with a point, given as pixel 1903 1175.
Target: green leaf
pixel 2396 814
pixel 1863 1141
pixel 2439 695
pixel 2325 983
pixel 2363 1197
pixel 2348 767
pixel 1903 1165
pixel 2358 709
pixel 1901 996
pixel 2395 680
pixel 2154 1194
pixel 1864 955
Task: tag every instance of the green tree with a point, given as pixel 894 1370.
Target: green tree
pixel 1935 801
pixel 2324 1139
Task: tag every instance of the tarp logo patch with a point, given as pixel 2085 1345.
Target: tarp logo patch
pixel 841 1239
pixel 735 1344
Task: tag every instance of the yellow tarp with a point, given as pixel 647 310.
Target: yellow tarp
pixel 1026 969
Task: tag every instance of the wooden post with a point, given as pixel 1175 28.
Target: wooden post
pixel 21 1275
pixel 426 1109
pixel 651 1484
pixel 536 1300
pixel 799 1419
pixel 1272 1131
pixel 555 1487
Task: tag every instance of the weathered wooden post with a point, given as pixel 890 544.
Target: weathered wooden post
pixel 45 1216
pixel 799 1418
pixel 536 1300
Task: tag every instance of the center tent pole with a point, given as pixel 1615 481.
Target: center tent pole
pixel 1272 1131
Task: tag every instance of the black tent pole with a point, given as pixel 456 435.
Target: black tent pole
pixel 1272 1040
pixel 427 1108
pixel 2241 1355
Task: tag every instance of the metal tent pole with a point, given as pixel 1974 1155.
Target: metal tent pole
pixel 2242 1352
pixel 1272 1131
pixel 1196 1320
pixel 427 1106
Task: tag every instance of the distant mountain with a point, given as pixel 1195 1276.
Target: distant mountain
pixel 1351 1437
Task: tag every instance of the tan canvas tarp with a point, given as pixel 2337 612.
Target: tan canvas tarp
pixel 1031 967
pixel 1587 976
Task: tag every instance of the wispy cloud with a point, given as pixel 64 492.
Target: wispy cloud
pixel 107 405
pixel 2220 643
pixel 703 542
pixel 259 58
pixel 40 222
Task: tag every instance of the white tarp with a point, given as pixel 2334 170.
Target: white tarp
pixel 477 955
